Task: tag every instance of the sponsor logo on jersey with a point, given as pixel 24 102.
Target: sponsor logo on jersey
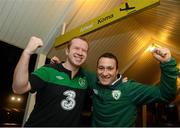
pixel 116 94
pixel 69 102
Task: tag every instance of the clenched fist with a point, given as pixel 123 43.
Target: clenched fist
pixel 162 54
pixel 33 44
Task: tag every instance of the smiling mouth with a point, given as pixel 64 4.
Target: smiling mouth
pixel 78 59
pixel 105 79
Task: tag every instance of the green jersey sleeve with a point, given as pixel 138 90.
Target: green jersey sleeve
pixel 164 92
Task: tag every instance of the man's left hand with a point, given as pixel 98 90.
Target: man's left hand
pixel 162 54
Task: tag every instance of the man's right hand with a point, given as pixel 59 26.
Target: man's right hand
pixel 33 44
pixel 21 82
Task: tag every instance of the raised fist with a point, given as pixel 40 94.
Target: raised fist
pixel 162 54
pixel 33 44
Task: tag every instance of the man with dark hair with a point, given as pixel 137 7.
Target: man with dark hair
pixel 61 88
pixel 115 103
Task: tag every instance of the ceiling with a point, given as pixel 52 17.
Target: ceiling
pixel 128 38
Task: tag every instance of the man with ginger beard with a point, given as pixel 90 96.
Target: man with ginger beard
pixel 61 88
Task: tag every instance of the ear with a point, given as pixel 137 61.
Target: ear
pixel 117 72
pixel 66 51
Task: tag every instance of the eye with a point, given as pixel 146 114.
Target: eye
pixel 76 48
pixel 100 68
pixel 84 50
pixel 110 68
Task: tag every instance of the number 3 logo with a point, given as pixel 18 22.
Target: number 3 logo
pixel 69 103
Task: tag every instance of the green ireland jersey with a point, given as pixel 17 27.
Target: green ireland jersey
pixel 117 105
pixel 59 99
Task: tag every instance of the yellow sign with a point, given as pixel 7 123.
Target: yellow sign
pixel 125 9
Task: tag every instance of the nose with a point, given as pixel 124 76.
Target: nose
pixel 80 51
pixel 105 72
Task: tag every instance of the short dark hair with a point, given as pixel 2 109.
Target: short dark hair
pixel 109 55
pixel 78 37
